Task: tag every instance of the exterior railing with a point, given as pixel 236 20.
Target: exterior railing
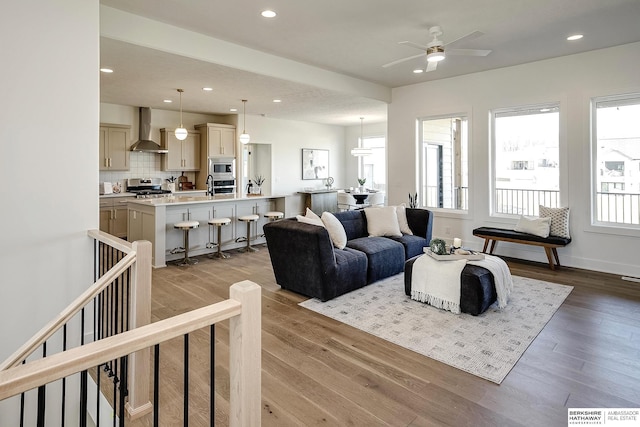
pixel 618 208
pixel 517 201
pixel 460 198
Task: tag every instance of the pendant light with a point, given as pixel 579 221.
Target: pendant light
pixel 360 151
pixel 181 133
pixel 244 137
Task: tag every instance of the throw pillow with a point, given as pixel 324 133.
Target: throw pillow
pixel 382 221
pixel 336 230
pixel 559 220
pixel 310 218
pixel 536 226
pixel 401 212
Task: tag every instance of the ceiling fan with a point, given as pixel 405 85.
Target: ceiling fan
pixel 436 50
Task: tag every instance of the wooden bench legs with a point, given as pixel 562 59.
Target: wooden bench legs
pixel 550 250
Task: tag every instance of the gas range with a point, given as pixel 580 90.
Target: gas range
pixel 146 188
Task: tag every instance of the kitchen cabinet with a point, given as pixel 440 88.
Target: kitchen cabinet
pixel 113 216
pixel 182 155
pixel 114 147
pixel 220 140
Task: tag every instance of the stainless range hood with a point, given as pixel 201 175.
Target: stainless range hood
pixel 144 143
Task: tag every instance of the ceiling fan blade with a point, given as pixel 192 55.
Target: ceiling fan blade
pixel 431 66
pixel 412 44
pixel 470 36
pixel 398 61
pixel 468 52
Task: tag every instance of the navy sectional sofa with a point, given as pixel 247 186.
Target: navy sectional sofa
pixel 305 260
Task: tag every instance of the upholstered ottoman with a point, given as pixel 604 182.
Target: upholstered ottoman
pixel 477 288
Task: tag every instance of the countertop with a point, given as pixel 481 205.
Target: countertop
pixel 127 194
pixel 189 200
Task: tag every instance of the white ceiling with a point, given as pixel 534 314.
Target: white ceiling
pixel 350 39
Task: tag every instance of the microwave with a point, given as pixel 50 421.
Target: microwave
pixel 222 167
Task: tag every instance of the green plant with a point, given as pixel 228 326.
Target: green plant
pixel 258 180
pixel 438 246
pixel 361 181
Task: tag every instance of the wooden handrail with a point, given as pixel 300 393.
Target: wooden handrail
pixel 119 244
pixel 43 371
pixel 71 310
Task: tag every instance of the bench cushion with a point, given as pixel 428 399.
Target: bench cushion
pixel 512 234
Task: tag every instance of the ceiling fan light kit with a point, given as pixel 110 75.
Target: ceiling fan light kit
pixel 435 49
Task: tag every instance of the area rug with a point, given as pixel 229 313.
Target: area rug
pixel 488 345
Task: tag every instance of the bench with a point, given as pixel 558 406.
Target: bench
pixel 550 244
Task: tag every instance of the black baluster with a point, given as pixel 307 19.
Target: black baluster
pixel 186 381
pixel 212 364
pixel 83 398
pixel 64 379
pixel 42 394
pixel 156 384
pixel 123 387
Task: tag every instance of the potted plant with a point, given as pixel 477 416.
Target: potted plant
pixel 361 181
pixel 258 180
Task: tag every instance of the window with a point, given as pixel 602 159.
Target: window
pixel 373 167
pixel 444 168
pixel 525 159
pixel 616 160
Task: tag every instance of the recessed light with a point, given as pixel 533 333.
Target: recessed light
pixel 233 110
pixel 106 70
pixel 207 89
pixel 277 100
pixel 268 14
pixel 418 71
pixel 168 101
pixel 575 37
pixel 545 110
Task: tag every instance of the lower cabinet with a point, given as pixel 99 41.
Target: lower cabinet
pixel 113 216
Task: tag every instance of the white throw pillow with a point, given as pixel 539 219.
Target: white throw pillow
pixel 402 219
pixel 559 220
pixel 536 226
pixel 382 221
pixel 336 230
pixel 312 221
pixel 310 218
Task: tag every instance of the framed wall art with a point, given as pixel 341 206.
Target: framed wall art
pixel 315 163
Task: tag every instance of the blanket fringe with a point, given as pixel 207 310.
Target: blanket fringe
pixel 435 301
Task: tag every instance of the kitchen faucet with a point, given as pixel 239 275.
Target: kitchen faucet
pixel 210 185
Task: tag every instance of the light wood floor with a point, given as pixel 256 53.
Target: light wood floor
pixel 317 371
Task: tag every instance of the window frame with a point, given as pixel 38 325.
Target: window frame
pixel 444 212
pixel 596 225
pixel 522 109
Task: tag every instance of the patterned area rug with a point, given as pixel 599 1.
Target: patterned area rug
pixel 488 345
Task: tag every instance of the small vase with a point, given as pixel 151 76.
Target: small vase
pixel 361 189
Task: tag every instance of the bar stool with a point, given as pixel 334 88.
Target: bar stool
pixel 272 216
pixel 248 219
pixel 218 223
pixel 185 226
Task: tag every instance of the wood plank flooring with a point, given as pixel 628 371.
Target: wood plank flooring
pixel 317 371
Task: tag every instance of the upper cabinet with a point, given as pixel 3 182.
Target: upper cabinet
pixel 220 140
pixel 182 155
pixel 114 147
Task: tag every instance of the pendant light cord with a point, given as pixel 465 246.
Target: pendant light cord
pixel 180 90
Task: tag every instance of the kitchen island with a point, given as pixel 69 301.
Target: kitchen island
pixel 153 219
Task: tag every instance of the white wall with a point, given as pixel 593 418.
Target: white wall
pixel 48 152
pixel 570 80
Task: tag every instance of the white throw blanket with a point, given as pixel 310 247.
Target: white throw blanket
pixel 501 277
pixel 437 282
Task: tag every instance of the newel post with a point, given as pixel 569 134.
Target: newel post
pixel 139 403
pixel 245 359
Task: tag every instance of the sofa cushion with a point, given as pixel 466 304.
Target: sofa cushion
pixel 310 218
pixel 413 245
pixel 335 229
pixel 354 223
pixel 382 221
pixel 385 257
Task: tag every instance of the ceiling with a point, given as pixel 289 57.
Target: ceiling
pixel 352 39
